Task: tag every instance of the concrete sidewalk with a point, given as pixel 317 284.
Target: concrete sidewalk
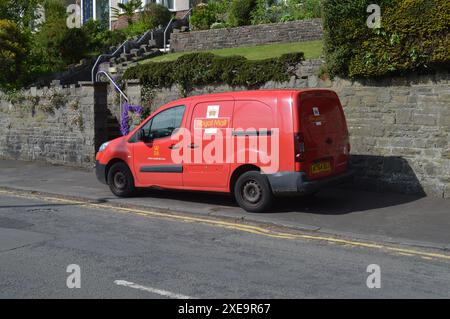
pixel 383 217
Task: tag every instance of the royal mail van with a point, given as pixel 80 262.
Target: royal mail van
pixel 253 144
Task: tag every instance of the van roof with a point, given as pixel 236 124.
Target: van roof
pixel 263 93
pixel 254 93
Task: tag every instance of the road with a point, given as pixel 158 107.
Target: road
pixel 132 253
pixel 386 217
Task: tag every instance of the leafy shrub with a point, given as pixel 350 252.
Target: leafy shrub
pixel 72 45
pixel 22 12
pixel 155 15
pixel 14 47
pixel 211 15
pixel 240 12
pixel 45 56
pixel 203 17
pixel 137 28
pixel 206 68
pixel 99 38
pixel 413 36
pixel 293 10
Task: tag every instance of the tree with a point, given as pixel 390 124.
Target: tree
pixel 155 14
pixel 14 47
pixel 21 12
pixel 126 10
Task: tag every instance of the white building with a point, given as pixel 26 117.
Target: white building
pixel 101 9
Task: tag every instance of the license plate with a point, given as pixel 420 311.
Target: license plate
pixel 321 167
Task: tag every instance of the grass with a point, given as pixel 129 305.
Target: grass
pixel 312 50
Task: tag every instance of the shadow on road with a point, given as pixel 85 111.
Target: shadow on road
pixel 335 201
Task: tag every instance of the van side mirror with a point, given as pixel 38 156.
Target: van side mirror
pixel 144 137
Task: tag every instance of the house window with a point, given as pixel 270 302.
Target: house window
pixel 88 10
pixel 170 4
pixel 102 11
pixel 96 10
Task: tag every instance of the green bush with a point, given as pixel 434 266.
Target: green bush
pixel 413 37
pixel 155 15
pixel 206 68
pixel 265 12
pixel 136 29
pixel 14 47
pixel 203 17
pixel 269 11
pixel 73 46
pixel 99 38
pixel 22 12
pixel 240 12
pixel 211 15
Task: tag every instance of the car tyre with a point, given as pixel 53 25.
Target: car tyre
pixel 120 180
pixel 253 192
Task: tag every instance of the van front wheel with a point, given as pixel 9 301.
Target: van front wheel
pixel 120 180
pixel 253 193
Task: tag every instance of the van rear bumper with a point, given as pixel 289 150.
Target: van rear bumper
pixel 298 183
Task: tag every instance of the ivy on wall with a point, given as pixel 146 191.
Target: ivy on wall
pixel 414 36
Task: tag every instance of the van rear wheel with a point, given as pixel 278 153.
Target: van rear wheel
pixel 253 193
pixel 120 180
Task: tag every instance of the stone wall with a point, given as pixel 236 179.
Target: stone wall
pixel 51 124
pixel 295 31
pixel 400 128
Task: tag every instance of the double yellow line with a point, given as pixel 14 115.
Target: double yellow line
pixel 258 230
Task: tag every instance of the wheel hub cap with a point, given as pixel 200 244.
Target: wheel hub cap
pixel 252 192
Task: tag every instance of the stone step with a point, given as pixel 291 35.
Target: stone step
pixel 135 52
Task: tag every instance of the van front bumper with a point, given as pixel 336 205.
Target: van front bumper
pixel 298 183
pixel 100 172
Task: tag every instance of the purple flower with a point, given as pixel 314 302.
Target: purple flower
pixel 126 109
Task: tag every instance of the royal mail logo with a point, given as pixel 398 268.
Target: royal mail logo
pixel 212 123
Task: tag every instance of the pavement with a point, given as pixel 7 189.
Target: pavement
pixel 380 217
pixel 47 243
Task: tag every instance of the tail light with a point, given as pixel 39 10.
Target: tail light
pixel 299 143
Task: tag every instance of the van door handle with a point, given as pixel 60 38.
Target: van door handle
pixel 193 145
pixel 174 147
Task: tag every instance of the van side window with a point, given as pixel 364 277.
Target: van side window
pixel 165 123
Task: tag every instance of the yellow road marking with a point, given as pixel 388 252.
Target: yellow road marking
pixel 233 226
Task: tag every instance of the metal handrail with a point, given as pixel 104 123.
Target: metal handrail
pixel 189 11
pixel 113 83
pixel 169 24
pixel 165 33
pixel 106 55
pixel 123 45
pixel 184 17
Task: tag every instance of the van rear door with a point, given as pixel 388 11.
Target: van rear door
pixel 323 130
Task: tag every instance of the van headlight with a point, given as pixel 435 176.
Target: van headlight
pixel 103 147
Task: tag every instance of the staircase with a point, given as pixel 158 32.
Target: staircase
pixel 117 65
pixel 150 44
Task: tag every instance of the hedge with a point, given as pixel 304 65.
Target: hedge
pixel 14 47
pixel 414 36
pixel 195 69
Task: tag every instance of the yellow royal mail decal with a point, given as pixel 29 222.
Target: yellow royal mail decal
pixel 315 118
pixel 156 151
pixel 211 123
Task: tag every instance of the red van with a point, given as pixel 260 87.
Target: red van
pixel 253 144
